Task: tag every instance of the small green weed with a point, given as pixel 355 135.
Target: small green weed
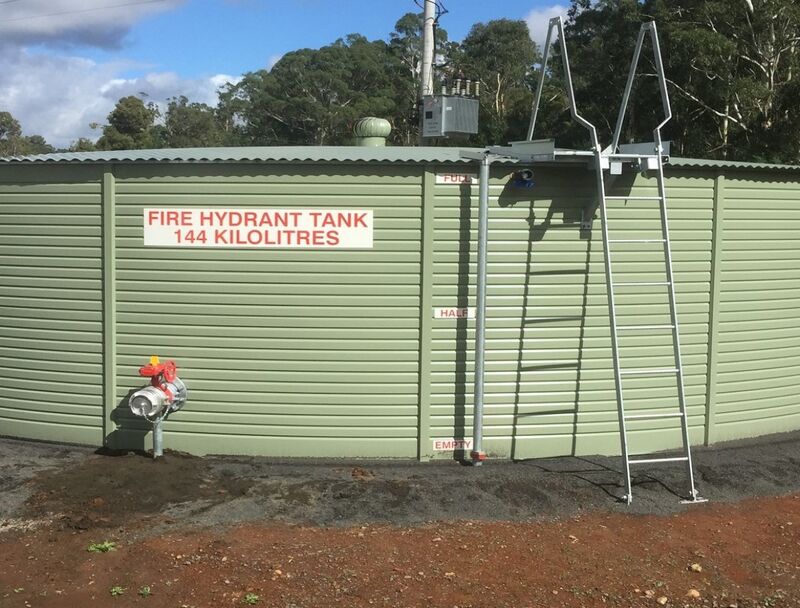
pixel 103 547
pixel 116 590
pixel 145 591
pixel 251 598
pixel 774 600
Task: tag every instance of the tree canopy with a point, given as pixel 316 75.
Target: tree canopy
pixel 314 95
pixel 130 125
pixel 14 143
pixel 731 65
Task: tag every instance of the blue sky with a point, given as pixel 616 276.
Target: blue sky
pixel 212 36
pixel 66 62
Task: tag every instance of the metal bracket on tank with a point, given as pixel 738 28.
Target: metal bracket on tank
pixel 587 216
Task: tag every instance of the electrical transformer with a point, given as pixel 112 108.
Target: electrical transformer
pixel 447 115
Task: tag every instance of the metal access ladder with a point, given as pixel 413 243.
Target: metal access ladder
pixel 654 161
pixel 609 162
pixel 620 372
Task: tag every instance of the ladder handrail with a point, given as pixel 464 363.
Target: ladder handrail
pixel 558 23
pixel 649 27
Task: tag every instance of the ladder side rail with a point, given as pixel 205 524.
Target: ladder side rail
pixel 601 193
pixel 676 339
pixel 676 334
pixel 612 317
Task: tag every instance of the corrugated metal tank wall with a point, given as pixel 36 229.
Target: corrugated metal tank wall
pixel 757 377
pixel 51 326
pixel 286 352
pixel 337 353
pixel 549 380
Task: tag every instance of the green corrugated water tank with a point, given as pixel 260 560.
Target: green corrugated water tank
pixel 331 316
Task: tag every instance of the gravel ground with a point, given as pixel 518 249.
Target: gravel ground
pixel 85 487
pixel 188 532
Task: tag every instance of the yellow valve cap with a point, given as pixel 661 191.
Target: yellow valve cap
pixel 154 360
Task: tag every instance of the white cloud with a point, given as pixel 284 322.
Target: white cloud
pixel 159 86
pixel 66 22
pixel 272 60
pixel 220 80
pixel 539 19
pixel 58 97
pixel 55 93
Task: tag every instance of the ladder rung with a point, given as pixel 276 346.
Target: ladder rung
pixel 632 155
pixel 637 240
pixel 642 283
pixel 634 327
pixel 633 198
pixel 649 460
pixel 651 416
pixel 654 370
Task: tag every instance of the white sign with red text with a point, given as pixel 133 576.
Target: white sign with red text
pixel 456 179
pixel 454 313
pixel 448 445
pixel 258 228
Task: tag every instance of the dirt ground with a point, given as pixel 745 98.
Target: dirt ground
pixel 232 531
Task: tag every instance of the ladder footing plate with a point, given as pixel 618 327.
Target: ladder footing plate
pixel 696 501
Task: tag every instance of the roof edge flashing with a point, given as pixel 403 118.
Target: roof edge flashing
pixel 324 154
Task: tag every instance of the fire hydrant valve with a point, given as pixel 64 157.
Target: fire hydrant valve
pixel 166 393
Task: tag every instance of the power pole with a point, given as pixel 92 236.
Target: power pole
pixel 426 67
pixel 426 72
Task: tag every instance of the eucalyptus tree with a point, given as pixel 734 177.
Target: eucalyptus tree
pixel 14 143
pixel 313 96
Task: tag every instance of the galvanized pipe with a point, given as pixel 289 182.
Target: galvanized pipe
pixel 158 438
pixel 480 310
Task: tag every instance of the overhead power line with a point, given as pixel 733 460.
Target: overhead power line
pixel 82 10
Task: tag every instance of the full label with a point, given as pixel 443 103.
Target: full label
pixel 456 179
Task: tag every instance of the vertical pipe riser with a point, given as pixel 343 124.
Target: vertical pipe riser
pixel 108 190
pixel 158 439
pixel 480 312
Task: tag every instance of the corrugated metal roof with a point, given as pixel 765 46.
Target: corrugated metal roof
pixel 263 154
pixel 707 163
pixel 388 154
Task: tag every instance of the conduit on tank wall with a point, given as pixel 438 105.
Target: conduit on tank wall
pixel 480 311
